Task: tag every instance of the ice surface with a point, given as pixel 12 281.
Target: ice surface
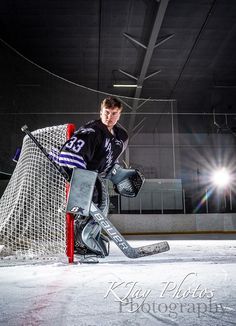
pixel 192 284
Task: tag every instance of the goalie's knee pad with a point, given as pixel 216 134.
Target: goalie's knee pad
pixel 127 182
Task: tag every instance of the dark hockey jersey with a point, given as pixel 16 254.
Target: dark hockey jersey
pixel 93 147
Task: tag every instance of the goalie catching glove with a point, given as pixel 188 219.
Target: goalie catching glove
pixel 126 182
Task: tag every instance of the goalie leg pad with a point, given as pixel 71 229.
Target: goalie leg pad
pixel 89 239
pixel 94 240
pixel 81 191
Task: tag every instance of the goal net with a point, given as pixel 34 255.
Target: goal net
pixel 32 208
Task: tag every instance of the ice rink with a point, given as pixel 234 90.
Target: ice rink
pixel 192 284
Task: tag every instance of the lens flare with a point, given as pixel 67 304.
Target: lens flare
pixel 221 178
pixel 203 200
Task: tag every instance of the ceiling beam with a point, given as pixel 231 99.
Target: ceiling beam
pixel 147 58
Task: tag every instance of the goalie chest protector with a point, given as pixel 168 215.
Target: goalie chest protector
pixel 93 147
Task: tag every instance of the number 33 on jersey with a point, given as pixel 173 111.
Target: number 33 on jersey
pixel 75 144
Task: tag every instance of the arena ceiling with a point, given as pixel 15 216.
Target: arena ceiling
pixel 178 49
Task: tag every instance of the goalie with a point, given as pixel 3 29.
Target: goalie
pixel 96 146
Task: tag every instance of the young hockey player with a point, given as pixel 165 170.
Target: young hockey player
pixel 92 153
pixel 96 146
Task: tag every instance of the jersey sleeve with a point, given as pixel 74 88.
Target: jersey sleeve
pixel 79 149
pixel 125 144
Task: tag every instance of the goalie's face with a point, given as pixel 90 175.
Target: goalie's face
pixel 110 116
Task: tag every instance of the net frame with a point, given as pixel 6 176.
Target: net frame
pixel 33 222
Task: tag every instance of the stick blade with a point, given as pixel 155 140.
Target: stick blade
pixel 153 249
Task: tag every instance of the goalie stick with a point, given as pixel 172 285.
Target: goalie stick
pixel 120 241
pixel 103 221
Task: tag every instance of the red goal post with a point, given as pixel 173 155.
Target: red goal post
pixel 69 216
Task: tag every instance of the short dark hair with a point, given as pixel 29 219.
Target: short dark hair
pixel 111 102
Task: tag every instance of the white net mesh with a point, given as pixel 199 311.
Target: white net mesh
pixel 32 208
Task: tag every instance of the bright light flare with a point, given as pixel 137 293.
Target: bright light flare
pixel 221 178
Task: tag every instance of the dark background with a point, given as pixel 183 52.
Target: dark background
pixel 58 59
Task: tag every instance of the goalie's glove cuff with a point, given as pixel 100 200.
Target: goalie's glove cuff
pixel 126 182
